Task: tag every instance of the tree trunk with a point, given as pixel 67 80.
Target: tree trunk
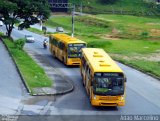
pixel 9 30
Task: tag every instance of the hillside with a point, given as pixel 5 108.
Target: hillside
pixel 129 7
pixel 129 39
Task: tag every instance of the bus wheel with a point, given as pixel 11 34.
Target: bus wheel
pixel 83 81
pixel 53 53
pixel 63 60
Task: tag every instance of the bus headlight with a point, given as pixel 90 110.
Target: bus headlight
pixel 122 98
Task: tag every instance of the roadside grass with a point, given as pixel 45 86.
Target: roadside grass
pixel 35 30
pixel 150 67
pixel 132 42
pixel 116 26
pixel 33 74
pixel 132 26
pixel 80 27
pixel 64 21
pixel 125 47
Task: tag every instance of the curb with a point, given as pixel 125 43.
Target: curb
pixel 57 93
pixel 26 85
pixel 69 90
pixel 57 72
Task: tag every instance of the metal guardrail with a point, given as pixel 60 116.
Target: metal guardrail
pixel 61 5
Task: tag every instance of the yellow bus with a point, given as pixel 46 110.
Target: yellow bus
pixel 66 48
pixel 103 79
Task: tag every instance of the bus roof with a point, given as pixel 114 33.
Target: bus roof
pixel 66 38
pixel 100 61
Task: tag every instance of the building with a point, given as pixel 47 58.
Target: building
pixel 58 5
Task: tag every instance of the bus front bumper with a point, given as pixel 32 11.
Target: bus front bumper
pixel 107 103
pixel 73 61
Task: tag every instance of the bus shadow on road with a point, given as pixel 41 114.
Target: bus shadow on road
pixel 109 108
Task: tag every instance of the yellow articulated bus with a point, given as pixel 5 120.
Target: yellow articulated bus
pixel 66 48
pixel 103 79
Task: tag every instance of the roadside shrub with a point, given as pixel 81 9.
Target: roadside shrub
pixel 99 44
pixel 1 34
pixel 19 44
pixel 144 34
pixel 52 32
pixel 92 21
pixel 155 43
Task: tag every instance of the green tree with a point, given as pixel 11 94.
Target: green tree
pixel 29 11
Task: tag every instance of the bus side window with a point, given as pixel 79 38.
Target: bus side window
pixel 61 45
pixel 89 73
pixel 50 40
pixel 85 65
pixel 86 68
pixel 55 42
pixel 83 62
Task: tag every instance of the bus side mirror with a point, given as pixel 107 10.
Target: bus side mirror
pixel 125 79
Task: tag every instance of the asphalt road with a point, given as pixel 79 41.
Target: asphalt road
pixel 143 91
pixel 11 87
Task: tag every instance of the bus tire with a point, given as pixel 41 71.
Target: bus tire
pixel 83 84
pixel 63 60
pixel 83 81
pixel 53 53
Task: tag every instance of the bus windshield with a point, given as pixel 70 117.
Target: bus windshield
pixel 74 50
pixel 108 84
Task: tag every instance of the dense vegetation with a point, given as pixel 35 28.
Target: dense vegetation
pixel 127 7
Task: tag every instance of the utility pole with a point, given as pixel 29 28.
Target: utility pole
pixel 81 8
pixel 73 11
pixel 40 18
pixel 40 23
